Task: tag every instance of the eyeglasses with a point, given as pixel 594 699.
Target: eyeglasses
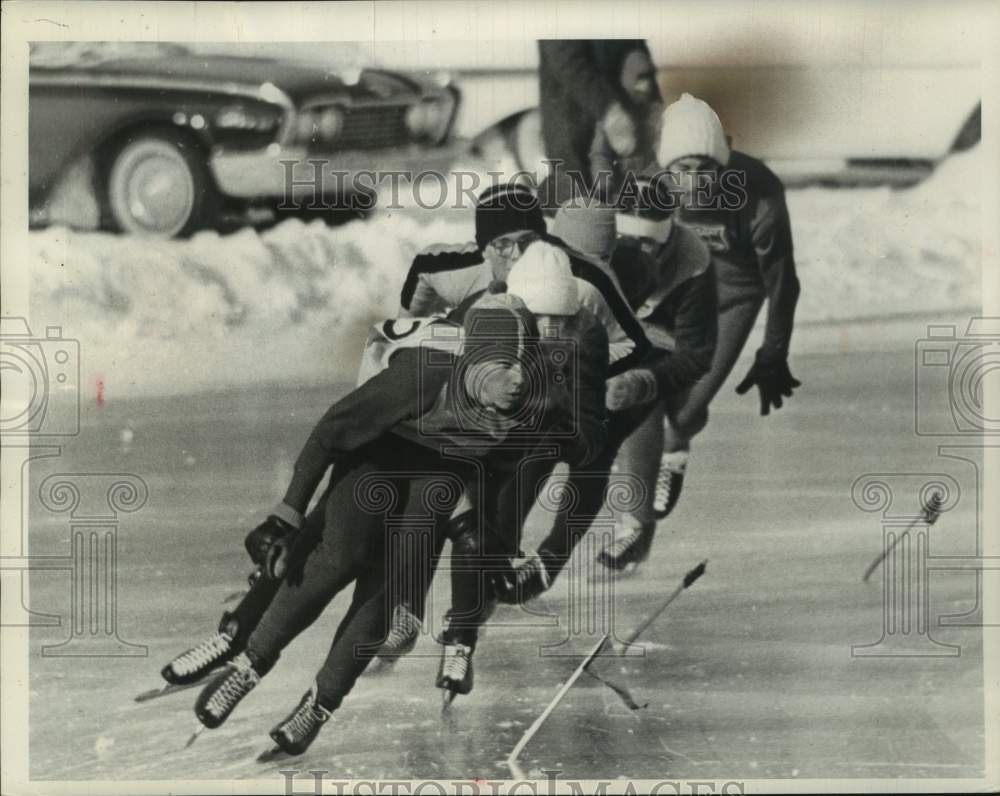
pixel 506 245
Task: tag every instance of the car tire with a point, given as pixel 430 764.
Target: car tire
pixel 159 185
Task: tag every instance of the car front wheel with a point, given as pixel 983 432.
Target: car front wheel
pixel 159 186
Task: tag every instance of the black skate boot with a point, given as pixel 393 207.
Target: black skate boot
pixel 669 482
pixel 404 630
pixel 210 654
pixel 299 729
pixel 531 578
pixel 629 550
pixel 455 672
pixel 221 696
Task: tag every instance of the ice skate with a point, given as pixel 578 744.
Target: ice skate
pixel 299 728
pixel 455 672
pixel 531 579
pixel 221 696
pixel 628 551
pixel 669 482
pixel 215 651
pixel 404 631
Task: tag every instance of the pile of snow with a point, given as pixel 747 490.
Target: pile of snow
pixel 879 251
pixel 294 303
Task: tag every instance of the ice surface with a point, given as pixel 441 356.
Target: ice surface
pixel 749 673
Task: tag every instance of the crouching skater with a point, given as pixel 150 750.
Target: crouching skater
pixel 427 427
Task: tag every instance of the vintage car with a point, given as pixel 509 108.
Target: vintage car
pixel 174 136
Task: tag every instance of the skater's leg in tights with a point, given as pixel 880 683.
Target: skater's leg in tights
pixel 511 503
pixel 639 460
pixel 587 486
pixel 358 637
pixel 735 324
pixel 470 565
pixel 321 565
pixel 409 583
pixel 364 627
pixel 509 494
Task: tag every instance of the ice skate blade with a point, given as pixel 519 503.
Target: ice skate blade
pixel 168 689
pixel 447 697
pixel 195 735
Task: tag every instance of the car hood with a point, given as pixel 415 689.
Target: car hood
pixel 300 80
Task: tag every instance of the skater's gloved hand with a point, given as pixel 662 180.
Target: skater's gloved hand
pixel 771 375
pixel 277 560
pixel 501 579
pixel 636 386
pixel 268 543
pixel 619 128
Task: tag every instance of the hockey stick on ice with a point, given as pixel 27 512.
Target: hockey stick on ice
pixel 929 515
pixel 623 692
pixel 515 770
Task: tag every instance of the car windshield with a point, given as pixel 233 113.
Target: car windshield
pixel 85 54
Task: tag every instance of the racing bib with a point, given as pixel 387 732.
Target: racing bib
pixel 387 337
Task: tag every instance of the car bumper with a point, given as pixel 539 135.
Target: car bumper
pixel 294 172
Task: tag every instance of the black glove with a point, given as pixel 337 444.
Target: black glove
pixel 268 545
pixel 773 379
pixel 633 387
pixel 484 549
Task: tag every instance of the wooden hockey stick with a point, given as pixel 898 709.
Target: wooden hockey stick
pixel 515 770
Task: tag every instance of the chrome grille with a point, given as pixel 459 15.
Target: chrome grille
pixel 368 127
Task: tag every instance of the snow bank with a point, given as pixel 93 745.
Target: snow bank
pixel 870 252
pixel 294 303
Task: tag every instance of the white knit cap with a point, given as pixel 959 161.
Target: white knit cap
pixel 543 279
pixel 588 228
pixel 689 126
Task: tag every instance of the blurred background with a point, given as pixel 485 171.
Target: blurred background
pixel 158 235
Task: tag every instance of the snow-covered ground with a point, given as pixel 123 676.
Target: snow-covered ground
pixel 292 303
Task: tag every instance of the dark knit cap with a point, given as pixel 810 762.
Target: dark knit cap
pixel 499 327
pixel 507 208
pixel 498 322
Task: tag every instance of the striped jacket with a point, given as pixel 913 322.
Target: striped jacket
pixel 445 277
